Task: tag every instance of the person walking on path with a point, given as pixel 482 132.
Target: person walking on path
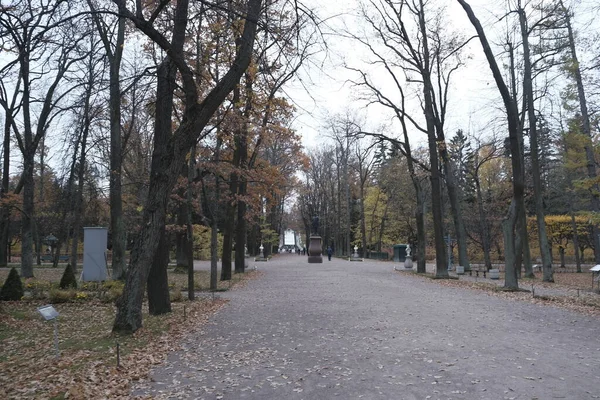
pixel 329 252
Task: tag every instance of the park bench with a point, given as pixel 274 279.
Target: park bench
pixel 477 271
pixel 50 258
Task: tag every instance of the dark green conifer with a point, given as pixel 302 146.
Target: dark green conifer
pixel 68 279
pixel 12 288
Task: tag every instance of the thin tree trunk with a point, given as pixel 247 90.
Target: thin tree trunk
pixel 214 255
pixel 214 238
pixel 522 249
pixel 453 195
pixel 436 184
pixel 27 219
pixel 5 210
pixel 485 230
pixel 181 236
pixel 535 162
pixel 363 224
pixel 77 194
pixel 190 228
pixel 508 228
pixel 228 227
pixel 117 226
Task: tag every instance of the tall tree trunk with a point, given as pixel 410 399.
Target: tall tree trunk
pixel 159 301
pixel 436 185
pixel 229 224
pixel 535 162
pixel 522 249
pixel 117 226
pixel 214 221
pixel 510 222
pixel 347 227
pixel 28 183
pixel 242 144
pixel 511 280
pixel 421 234
pixel 36 233
pixel 190 227
pixel 231 207
pixel 27 219
pixel 158 285
pixel 77 194
pixel 524 239
pixel 5 210
pixel 363 224
pixel 241 230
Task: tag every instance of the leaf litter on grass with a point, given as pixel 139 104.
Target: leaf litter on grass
pixel 569 290
pixel 87 366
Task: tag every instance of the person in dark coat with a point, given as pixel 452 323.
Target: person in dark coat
pixel 329 252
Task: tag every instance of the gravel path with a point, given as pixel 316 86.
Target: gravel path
pixel 359 330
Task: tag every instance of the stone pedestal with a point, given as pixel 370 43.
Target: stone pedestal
pixel 314 250
pixel 494 273
pixel 408 263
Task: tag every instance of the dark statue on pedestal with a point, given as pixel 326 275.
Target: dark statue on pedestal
pixel 315 246
pixel 315 226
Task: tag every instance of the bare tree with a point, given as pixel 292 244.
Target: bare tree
pixel 39 34
pixel 113 47
pixel 510 222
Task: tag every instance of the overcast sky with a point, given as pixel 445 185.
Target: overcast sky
pixel 475 104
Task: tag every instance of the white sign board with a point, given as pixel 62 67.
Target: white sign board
pixel 94 254
pixel 48 312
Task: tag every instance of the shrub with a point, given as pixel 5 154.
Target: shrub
pixel 61 296
pixel 113 294
pixel 68 279
pixel 12 288
pixel 114 284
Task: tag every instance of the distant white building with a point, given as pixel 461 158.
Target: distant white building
pixel 289 238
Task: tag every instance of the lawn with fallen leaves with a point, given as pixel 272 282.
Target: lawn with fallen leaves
pixel 570 290
pixel 87 366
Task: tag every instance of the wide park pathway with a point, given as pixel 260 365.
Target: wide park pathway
pixel 359 330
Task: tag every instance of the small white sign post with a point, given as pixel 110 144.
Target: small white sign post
pixel 50 314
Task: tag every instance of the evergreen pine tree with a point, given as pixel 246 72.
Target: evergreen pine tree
pixel 68 278
pixel 12 288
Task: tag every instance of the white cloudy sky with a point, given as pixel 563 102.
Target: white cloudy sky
pixel 474 97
